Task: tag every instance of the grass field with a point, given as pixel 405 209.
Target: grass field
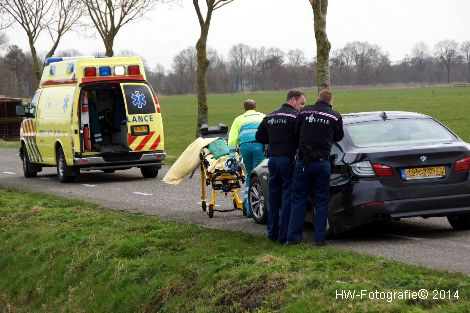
pixel 450 105
pixel 60 255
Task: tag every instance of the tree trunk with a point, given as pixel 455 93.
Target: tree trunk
pixel 201 74
pixel 323 44
pixel 108 43
pixel 36 67
pixel 54 47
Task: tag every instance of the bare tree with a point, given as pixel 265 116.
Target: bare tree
pixel 238 55
pixel 320 8
pixel 296 57
pixel 57 16
pixel 108 16
pixel 420 57
pixel 67 15
pixel 255 56
pixel 31 16
pixel 3 41
pixel 447 52
pixel 202 60
pixel 465 50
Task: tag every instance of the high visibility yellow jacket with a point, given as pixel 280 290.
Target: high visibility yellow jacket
pixel 244 128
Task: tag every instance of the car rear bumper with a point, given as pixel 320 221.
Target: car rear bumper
pixel 101 162
pixel 368 201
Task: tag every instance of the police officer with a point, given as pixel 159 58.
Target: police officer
pixel 243 133
pixel 318 127
pixel 278 131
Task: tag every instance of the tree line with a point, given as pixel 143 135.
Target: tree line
pixel 246 68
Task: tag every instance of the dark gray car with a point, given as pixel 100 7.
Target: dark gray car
pixel 390 165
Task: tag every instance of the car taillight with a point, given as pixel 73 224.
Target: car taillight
pixel 462 165
pixel 382 170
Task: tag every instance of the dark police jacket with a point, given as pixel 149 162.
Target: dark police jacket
pixel 278 130
pixel 319 126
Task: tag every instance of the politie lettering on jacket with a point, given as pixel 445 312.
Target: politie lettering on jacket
pixel 140 119
pixel 313 119
pixel 273 121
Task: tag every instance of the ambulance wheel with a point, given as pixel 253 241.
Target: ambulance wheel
pixel 211 211
pixel 204 206
pixel 149 171
pixel 65 173
pixel 27 171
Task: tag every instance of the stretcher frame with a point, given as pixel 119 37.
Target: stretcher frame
pixel 226 181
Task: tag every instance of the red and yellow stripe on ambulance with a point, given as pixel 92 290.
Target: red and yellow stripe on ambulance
pixel 28 134
pixel 144 127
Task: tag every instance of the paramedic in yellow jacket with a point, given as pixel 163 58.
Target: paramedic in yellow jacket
pixel 242 133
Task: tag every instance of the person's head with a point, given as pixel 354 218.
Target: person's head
pixel 296 99
pixel 326 96
pixel 249 104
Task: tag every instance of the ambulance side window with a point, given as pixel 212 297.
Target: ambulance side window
pixel 139 99
pixel 33 104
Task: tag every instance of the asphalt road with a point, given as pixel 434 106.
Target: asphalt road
pixel 431 242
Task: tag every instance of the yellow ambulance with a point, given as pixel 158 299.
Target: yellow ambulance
pixel 92 114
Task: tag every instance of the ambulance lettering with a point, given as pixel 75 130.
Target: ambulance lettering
pixel 140 119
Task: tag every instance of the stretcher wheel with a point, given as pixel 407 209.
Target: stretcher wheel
pixel 234 204
pixel 204 207
pixel 211 211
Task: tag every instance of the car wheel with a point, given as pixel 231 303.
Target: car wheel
pixel 65 174
pixel 459 222
pixel 257 201
pixel 27 171
pixel 149 171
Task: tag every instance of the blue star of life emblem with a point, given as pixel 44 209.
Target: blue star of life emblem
pixel 66 102
pixel 138 99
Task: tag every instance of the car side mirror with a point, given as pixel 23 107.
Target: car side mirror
pixel 20 110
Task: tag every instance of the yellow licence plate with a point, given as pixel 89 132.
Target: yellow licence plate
pixel 424 172
pixel 140 130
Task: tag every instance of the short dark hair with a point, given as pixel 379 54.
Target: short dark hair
pixel 294 93
pixel 325 95
pixel 249 104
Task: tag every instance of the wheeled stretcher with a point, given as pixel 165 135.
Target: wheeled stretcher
pixel 221 172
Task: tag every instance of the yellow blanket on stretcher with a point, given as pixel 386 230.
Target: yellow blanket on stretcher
pixel 189 160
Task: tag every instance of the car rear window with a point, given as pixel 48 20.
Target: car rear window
pixel 397 132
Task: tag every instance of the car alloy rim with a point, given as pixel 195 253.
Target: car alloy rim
pixel 257 200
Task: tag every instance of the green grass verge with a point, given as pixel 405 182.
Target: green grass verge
pixel 9 144
pixel 60 255
pixel 450 105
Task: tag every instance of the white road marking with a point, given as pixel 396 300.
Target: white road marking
pixel 143 193
pixel 88 185
pixel 9 173
pixel 405 237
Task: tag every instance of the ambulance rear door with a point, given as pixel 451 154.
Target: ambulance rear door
pixel 144 123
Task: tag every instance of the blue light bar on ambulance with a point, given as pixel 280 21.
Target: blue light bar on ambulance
pixel 105 71
pixel 52 60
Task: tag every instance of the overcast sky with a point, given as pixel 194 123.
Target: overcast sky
pixel 286 24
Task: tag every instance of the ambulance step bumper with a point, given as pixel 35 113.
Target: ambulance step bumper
pixel 98 162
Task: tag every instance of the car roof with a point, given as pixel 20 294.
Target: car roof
pixel 379 115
